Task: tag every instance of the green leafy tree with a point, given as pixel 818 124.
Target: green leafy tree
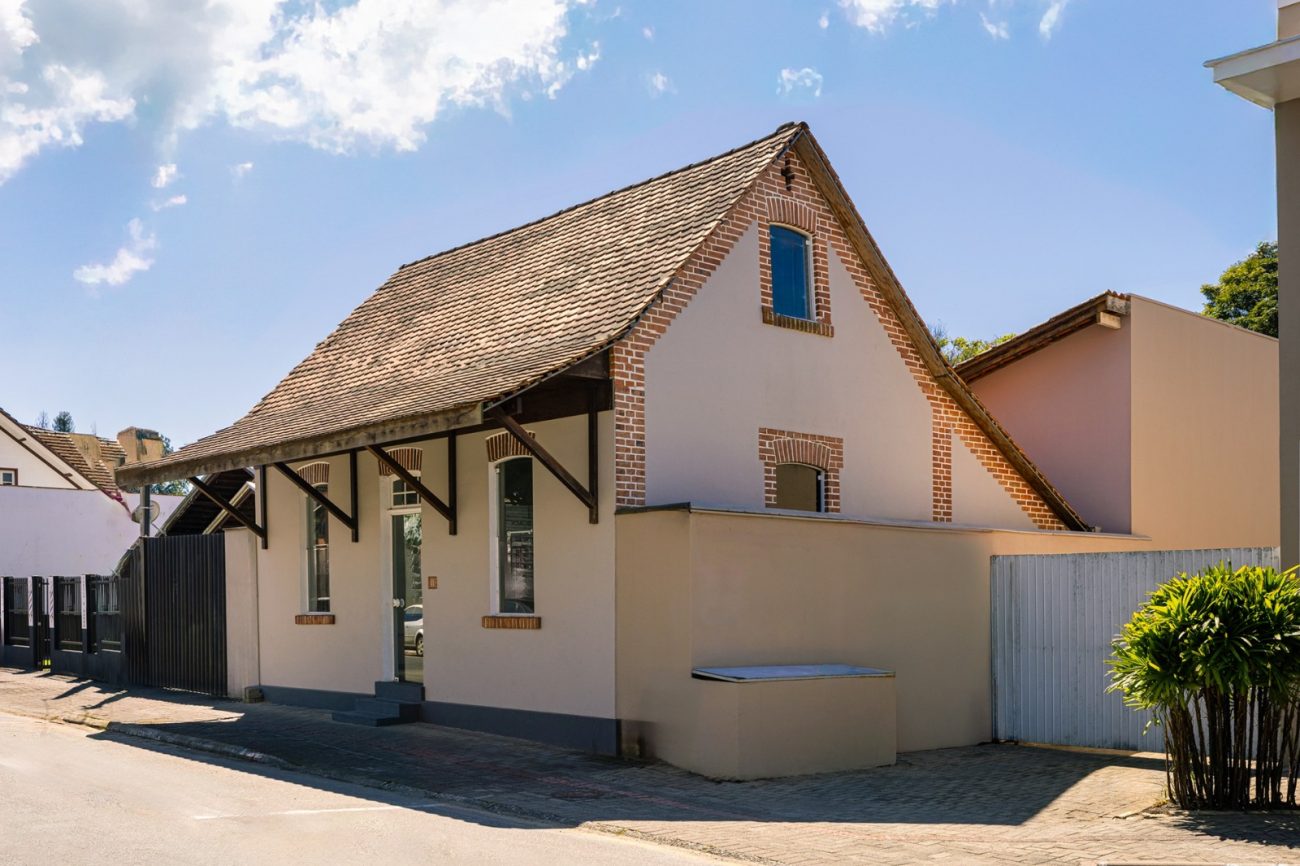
pixel 959 349
pixel 1215 657
pixel 1246 293
pixel 63 423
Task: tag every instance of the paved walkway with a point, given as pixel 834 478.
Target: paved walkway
pixel 983 804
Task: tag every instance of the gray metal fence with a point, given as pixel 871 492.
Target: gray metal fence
pixel 1054 617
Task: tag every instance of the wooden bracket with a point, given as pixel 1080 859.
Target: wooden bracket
pixel 350 521
pixel 225 506
pixel 447 511
pixel 586 496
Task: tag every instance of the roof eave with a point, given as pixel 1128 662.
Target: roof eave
pixel 1040 336
pixel 175 466
pixel 888 283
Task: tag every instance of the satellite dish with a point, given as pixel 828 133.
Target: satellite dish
pixel 155 512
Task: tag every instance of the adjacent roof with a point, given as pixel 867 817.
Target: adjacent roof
pixel 199 515
pixel 482 321
pixel 448 335
pixel 98 471
pixel 1061 325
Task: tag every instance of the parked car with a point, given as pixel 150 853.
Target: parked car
pixel 414 621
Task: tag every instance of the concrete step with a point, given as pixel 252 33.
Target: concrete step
pixel 354 718
pixel 381 708
pixel 406 693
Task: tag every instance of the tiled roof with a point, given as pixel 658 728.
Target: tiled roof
pixel 484 320
pixel 97 472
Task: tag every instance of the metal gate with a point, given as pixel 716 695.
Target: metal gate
pixel 173 603
pixel 1054 617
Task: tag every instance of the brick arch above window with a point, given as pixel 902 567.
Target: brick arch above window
pixel 503 445
pixel 315 473
pixel 826 453
pixel 410 459
pixel 791 212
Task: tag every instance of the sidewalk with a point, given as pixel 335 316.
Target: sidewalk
pixel 983 804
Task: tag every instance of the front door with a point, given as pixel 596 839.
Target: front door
pixel 408 596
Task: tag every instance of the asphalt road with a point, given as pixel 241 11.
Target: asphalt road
pixel 68 795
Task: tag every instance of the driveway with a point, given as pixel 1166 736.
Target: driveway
pixel 982 804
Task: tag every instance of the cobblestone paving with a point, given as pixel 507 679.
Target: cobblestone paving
pixel 983 804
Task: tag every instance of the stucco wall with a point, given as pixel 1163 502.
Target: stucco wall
pixel 1205 430
pixel 715 588
pixel 1067 405
pixel 720 373
pixel 566 666
pixel 61 532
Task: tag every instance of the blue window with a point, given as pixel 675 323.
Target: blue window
pixel 790 296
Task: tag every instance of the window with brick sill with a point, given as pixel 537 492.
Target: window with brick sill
pixel 791 260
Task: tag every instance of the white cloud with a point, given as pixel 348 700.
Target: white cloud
pixel 174 201
pixel 1051 18
pixel 648 32
pixel 659 84
pixel 132 258
pixel 241 170
pixel 878 15
pixel 805 79
pixel 996 29
pixel 824 21
pixel 364 74
pixel 165 174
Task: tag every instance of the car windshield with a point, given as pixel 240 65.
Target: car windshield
pixel 414 612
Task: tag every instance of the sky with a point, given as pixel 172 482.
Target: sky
pixel 193 193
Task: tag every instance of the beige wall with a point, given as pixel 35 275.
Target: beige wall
pixel 1067 406
pixel 243 667
pixel 566 666
pixel 720 373
pixel 716 588
pixel 1205 421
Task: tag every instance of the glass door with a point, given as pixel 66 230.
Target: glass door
pixel 408 596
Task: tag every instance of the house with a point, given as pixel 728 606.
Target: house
pixel 589 480
pixel 61 511
pixel 1269 76
pixel 1152 420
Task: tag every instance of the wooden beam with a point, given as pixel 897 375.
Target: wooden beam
pixel 425 493
pixel 349 521
pixel 593 454
pixel 544 457
pixel 225 506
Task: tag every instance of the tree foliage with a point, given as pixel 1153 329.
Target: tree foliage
pixel 1246 293
pixel 1216 658
pixel 63 422
pixel 959 349
pixel 178 487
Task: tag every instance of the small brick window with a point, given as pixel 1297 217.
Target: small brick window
pixel 791 273
pixel 801 471
pixel 8 477
pixel 800 487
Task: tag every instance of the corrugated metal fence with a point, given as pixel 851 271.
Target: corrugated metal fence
pixel 1054 617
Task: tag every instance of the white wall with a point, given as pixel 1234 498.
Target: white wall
pixel 61 532
pixel 32 470
pixel 720 373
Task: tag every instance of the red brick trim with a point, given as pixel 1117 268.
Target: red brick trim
pixel 503 445
pixel 410 459
pixel 755 207
pixel 512 621
pixel 314 619
pixel 784 446
pixel 315 473
pixel 771 317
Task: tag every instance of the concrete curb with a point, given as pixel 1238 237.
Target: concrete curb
pixel 198 744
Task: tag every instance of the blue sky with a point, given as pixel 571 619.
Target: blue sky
pixel 1011 157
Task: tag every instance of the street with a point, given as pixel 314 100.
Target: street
pixel 68 795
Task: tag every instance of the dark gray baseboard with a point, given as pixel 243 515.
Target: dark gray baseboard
pixel 586 733
pixel 317 699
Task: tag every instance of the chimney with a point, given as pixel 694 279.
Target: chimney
pixel 140 445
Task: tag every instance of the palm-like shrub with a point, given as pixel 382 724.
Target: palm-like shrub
pixel 1216 658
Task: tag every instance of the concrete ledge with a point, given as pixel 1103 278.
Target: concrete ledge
pixel 585 733
pixel 317 699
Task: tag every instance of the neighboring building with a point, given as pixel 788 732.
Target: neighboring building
pixel 1270 76
pixel 1152 420
pixel 545 479
pixel 61 511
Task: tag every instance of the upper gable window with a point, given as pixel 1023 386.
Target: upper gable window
pixel 791 269
pixel 8 477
